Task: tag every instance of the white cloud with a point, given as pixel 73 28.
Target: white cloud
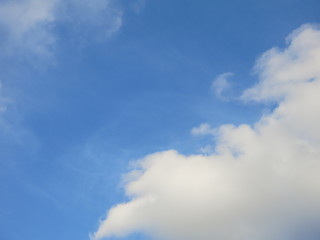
pixel 28 25
pixel 221 84
pixel 282 70
pixel 203 129
pixel 262 182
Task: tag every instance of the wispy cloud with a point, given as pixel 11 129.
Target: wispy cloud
pixel 138 5
pixel 12 130
pixel 221 84
pixel 95 19
pixel 29 36
pixel 4 104
pixel 3 101
pixel 28 26
pixel 203 129
pixel 262 182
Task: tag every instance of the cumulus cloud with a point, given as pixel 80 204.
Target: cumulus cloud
pixel 262 182
pixel 221 84
pixel 28 26
pixel 281 71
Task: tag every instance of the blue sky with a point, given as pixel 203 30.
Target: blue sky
pixel 88 87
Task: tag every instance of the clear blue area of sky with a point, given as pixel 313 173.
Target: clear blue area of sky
pixel 80 121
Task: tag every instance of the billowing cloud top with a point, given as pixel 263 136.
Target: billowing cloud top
pixel 262 182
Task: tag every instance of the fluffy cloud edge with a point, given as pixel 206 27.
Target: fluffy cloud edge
pixel 261 182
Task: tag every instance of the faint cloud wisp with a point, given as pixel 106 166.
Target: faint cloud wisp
pixel 28 27
pixel 203 129
pixel 221 85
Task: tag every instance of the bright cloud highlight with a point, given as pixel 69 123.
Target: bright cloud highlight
pixel 262 182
